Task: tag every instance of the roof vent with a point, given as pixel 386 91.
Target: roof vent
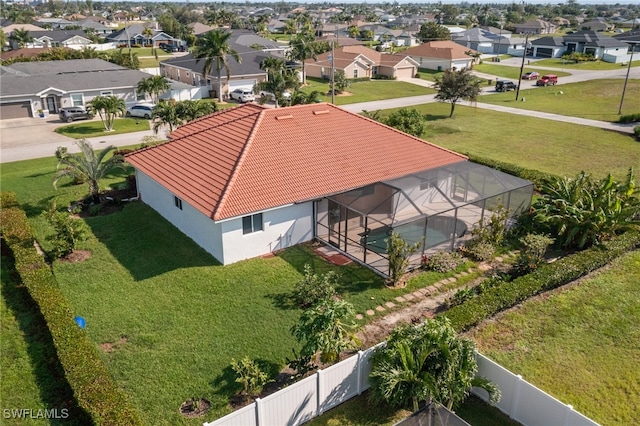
pixel 284 117
pixel 321 112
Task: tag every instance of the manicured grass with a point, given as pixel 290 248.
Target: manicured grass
pixel 592 66
pixel 601 96
pixel 429 75
pixel 545 145
pixel 95 128
pixel 32 377
pixel 144 51
pixel 365 91
pixel 512 73
pixel 149 62
pixel 580 344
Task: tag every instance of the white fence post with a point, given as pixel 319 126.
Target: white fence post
pixel 259 414
pixel 516 392
pixel 359 364
pixel 319 374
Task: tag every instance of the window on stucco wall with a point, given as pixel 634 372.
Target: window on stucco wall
pixel 252 223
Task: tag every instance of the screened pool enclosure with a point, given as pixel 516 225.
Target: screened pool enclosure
pixel 438 207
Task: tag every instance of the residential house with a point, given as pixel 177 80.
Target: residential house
pixel 251 180
pixel 55 23
pixel 135 35
pixel 361 62
pixel 249 39
pixel 536 26
pixel 55 38
pixel 594 43
pixel 95 26
pixel 441 55
pixel 597 24
pixel 199 28
pixel 50 85
pixel 10 28
pixel 482 40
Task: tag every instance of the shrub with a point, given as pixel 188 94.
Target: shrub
pixel 478 250
pixel 313 288
pixel 629 118
pixel 417 75
pixel 460 296
pixel 492 230
pixel 85 372
pixel 249 374
pixel 546 277
pixel 442 261
pixel 636 131
pixel 68 231
pixel 532 252
pixel 399 252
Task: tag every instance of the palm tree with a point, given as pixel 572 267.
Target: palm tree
pixel 273 65
pixel 153 86
pixel 354 31
pixel 191 110
pixel 302 98
pixel 166 113
pixel 148 33
pixel 214 46
pixel 302 48
pixel 21 37
pixel 108 108
pixel 277 84
pixel 87 167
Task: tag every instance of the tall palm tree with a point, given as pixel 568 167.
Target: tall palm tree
pixel 166 114
pixel 277 84
pixel 21 37
pixel 148 33
pixel 190 110
pixel 87 166
pixel 153 86
pixel 214 47
pixel 108 108
pixel 302 48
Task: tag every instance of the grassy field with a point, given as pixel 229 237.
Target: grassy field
pixel 595 99
pixel 145 51
pixel 365 91
pixel 550 146
pixel 32 377
pixel 591 66
pixel 580 344
pixel 95 128
pixel 512 73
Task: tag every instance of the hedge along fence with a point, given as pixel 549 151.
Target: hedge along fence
pixel 534 176
pixel 87 375
pixel 546 277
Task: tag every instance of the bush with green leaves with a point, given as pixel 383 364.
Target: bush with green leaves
pixel 407 120
pixel 399 252
pixel 478 250
pixel 492 229
pixel 314 288
pixel 442 261
pixel 636 131
pixel 327 328
pixel 532 253
pixel 68 231
pixel 460 296
pixel 250 376
pixel 629 118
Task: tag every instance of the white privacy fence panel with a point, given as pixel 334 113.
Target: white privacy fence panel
pixel 308 398
pixel 526 403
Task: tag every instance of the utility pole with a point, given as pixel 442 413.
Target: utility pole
pixel 626 79
pixel 524 55
pixel 333 89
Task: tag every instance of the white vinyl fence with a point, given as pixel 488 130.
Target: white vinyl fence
pixel 526 403
pixel 316 394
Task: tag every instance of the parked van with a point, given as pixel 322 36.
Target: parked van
pixel 547 80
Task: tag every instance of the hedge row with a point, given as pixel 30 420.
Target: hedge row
pixel 546 277
pixel 534 176
pixel 87 375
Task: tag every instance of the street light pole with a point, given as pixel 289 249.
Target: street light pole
pixel 524 55
pixel 626 79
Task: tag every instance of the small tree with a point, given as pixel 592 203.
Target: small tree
pixel 108 108
pixel 454 86
pixel 532 252
pixel 249 374
pixel 340 82
pixel 407 120
pixel 87 166
pixel 314 288
pixel 432 31
pixel 399 253
pixel 328 328
pixel 154 86
pixel 68 231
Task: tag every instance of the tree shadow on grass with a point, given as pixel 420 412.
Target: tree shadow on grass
pixel 145 243
pixel 54 389
pixel 434 117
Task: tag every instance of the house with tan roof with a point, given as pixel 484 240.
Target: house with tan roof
pixel 250 180
pixel 358 61
pixel 441 55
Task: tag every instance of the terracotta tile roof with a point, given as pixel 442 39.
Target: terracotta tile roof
pixel 247 159
pixel 440 49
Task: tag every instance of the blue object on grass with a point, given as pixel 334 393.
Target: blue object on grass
pixel 80 321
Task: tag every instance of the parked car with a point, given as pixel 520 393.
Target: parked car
pixel 70 114
pixel 547 80
pixel 242 95
pixel 531 75
pixel 140 110
pixel 169 48
pixel 505 86
pixel 285 95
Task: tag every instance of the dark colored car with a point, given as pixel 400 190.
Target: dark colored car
pixel 70 114
pixel 505 86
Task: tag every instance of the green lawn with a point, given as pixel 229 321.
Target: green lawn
pixel 545 145
pixel 580 344
pixel 512 73
pixel 145 51
pixel 592 66
pixel 365 91
pixel 95 128
pixel 32 377
pixel 595 99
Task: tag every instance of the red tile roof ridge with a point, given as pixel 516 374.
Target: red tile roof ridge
pixel 243 155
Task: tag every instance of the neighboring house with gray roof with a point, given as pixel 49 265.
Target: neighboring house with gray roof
pixel 55 38
pixel 482 40
pixel 594 43
pixel 134 34
pixel 27 87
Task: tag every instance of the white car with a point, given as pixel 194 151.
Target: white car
pixel 140 110
pixel 285 95
pixel 242 95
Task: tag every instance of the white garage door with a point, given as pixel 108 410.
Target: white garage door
pixel 241 84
